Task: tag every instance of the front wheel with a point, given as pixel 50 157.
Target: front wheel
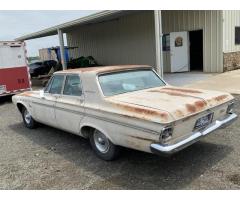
pixel 103 147
pixel 27 119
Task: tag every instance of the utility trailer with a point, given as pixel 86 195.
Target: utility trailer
pixel 14 72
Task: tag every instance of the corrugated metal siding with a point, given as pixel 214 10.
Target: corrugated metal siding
pixel 211 24
pixel 127 40
pixel 231 18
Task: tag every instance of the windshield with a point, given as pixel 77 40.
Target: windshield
pixel 128 81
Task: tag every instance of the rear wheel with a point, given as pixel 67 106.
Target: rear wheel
pixel 27 119
pixel 103 147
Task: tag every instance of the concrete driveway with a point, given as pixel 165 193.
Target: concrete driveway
pixel 226 82
pixel 185 78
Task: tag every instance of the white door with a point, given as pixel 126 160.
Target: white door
pixel 70 106
pixel 44 108
pixel 179 46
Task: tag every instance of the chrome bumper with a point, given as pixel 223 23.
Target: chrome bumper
pixel 170 149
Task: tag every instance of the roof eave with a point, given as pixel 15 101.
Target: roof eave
pixel 53 30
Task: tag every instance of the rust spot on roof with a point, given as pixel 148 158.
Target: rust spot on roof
pixel 182 90
pixel 104 69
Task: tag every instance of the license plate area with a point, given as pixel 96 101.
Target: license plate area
pixel 2 89
pixel 203 122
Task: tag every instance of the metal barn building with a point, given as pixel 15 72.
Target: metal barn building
pixel 171 41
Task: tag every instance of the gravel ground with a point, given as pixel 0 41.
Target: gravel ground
pixel 47 158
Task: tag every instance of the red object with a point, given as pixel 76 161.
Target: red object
pixel 15 79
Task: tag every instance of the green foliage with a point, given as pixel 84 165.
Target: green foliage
pixel 82 62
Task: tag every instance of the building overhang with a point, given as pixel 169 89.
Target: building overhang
pixel 98 17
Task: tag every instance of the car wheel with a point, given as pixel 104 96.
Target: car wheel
pixel 27 119
pixel 103 147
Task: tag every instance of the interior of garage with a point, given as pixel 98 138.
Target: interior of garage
pixel 196 50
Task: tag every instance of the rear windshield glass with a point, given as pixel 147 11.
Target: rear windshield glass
pixel 128 81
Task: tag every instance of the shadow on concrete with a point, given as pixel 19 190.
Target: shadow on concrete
pixel 134 169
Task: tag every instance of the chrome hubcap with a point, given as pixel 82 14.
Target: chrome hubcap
pixel 101 142
pixel 27 117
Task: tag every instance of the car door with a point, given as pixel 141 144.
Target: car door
pixel 70 106
pixel 44 108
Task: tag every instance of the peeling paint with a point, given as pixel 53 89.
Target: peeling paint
pixel 191 108
pixel 145 112
pixel 181 90
pixel 26 94
pixel 221 97
pixel 170 93
pixel 103 69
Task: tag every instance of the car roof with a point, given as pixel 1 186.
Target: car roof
pixel 102 69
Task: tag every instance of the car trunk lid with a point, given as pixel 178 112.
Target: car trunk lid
pixel 176 102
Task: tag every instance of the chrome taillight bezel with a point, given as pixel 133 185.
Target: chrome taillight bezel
pixel 230 108
pixel 166 134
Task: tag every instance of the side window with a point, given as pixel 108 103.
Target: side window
pixel 56 86
pixel 72 86
pixel 47 88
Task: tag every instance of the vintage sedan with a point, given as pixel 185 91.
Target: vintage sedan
pixel 128 106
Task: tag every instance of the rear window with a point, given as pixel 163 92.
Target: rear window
pixel 128 81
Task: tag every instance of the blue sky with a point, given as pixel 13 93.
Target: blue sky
pixel 17 23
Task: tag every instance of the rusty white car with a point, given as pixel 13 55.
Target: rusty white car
pixel 128 106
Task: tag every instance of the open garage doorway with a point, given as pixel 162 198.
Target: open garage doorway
pixel 196 50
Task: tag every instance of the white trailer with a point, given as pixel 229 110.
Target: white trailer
pixel 14 72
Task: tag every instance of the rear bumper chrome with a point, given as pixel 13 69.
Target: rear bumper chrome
pixel 170 149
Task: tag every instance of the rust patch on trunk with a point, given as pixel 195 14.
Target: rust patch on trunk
pixel 179 113
pixel 198 105
pixel 221 97
pixel 170 93
pixel 191 108
pixel 182 90
pixel 144 111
